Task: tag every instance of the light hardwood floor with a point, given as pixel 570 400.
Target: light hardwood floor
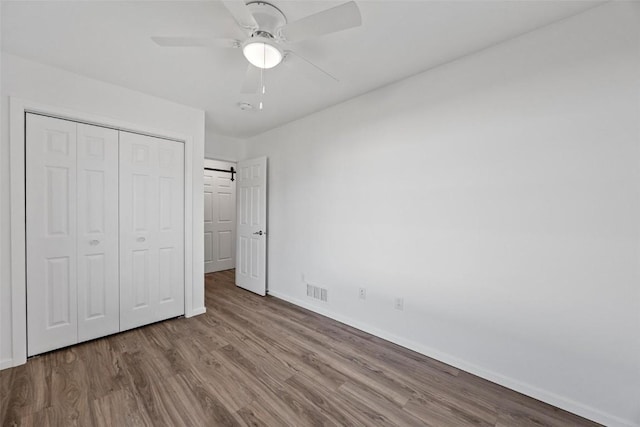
pixel 255 361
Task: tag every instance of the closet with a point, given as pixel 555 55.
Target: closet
pixel 104 231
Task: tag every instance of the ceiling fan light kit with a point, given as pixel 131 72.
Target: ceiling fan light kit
pixel 262 52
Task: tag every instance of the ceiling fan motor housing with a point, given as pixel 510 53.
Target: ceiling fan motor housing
pixel 268 17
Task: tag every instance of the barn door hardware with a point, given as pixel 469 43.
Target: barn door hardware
pixel 232 171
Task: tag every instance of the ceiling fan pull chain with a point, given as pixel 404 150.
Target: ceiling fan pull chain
pixel 264 57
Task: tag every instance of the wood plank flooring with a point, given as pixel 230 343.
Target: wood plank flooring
pixel 255 361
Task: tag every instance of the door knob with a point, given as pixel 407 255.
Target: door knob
pixel 141 239
pixel 94 242
pixel 259 233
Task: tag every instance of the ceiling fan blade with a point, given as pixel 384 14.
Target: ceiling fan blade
pixel 195 42
pixel 241 14
pixel 326 73
pixel 251 83
pixel 338 18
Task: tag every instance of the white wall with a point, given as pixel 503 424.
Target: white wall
pixel 222 147
pixel 499 196
pixel 54 87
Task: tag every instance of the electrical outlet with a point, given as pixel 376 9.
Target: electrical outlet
pixel 399 304
pixel 362 293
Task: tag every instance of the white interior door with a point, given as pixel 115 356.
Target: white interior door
pixel 97 228
pixel 219 218
pixel 151 229
pixel 252 225
pixel 52 319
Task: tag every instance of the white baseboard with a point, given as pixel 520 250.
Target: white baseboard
pixel 6 364
pixel 196 312
pixel 513 384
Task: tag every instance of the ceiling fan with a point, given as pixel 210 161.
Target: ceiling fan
pixel 268 32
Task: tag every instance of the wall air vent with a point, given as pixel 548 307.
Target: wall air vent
pixel 317 292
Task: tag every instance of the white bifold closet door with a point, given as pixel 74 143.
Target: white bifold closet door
pixel 72 223
pixel 105 231
pixel 97 228
pixel 151 229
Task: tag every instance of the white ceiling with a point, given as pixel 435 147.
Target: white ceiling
pixel 109 41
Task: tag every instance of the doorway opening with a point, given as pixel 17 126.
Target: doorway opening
pixel 219 216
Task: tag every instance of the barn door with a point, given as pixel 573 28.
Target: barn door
pixel 219 217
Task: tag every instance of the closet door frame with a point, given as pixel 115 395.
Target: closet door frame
pixel 193 256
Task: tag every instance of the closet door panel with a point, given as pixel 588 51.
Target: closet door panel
pixel 51 233
pixel 98 263
pixel 138 220
pixel 171 228
pixel 151 229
